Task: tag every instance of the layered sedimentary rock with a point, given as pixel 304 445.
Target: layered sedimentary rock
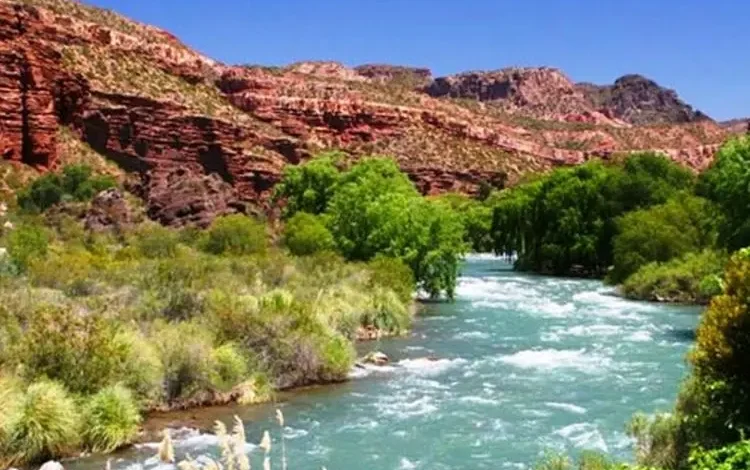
pixel 209 138
pixel 638 100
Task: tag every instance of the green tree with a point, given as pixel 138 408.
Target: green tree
pixel 564 222
pixel 726 182
pixel 310 186
pixel 306 234
pixel 682 225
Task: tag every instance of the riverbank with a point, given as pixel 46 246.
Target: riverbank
pixel 527 364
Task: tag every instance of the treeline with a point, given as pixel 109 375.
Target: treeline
pixel 644 222
pixel 98 328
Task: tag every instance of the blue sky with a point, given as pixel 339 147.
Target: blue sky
pixel 698 47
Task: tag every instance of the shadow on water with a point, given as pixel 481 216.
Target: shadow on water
pixel 684 335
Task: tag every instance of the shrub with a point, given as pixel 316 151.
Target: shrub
pixel 229 367
pixel 657 441
pixel 393 274
pixel 731 457
pixel 658 234
pixel 306 234
pixel 26 243
pixel 111 419
pixel 186 352
pixel 45 425
pixel 690 279
pixel 337 354
pixel 155 241
pixel 76 182
pixel 141 369
pixel 77 350
pixel 387 312
pixel 43 193
pixel 235 235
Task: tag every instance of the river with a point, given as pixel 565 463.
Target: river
pixel 526 365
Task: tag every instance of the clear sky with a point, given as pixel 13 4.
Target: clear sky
pixel 701 48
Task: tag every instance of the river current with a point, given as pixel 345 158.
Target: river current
pixel 518 366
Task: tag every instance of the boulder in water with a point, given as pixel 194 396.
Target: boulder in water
pixel 52 465
pixel 376 358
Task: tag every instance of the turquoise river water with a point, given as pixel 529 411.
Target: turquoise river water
pixel 525 365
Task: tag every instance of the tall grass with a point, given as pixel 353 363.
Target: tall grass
pixel 112 419
pixel 45 424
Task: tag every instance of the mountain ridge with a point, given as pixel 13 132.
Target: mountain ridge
pixel 145 100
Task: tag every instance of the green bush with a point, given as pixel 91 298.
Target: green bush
pixel 689 279
pixel 186 352
pixel 46 424
pixel 141 369
pixel 658 234
pixel 26 243
pixel 77 350
pixel 43 193
pixel 76 182
pixel 731 457
pixel 236 235
pixel 111 419
pixel 393 274
pixel 229 367
pixel 154 241
pixel 306 234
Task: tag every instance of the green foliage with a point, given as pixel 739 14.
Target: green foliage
pixel 230 367
pixel 111 419
pixel 715 403
pixel 692 278
pixel 76 350
pixel 657 440
pixel 731 457
pixel 76 182
pixel 564 223
pixel 306 234
pixel 310 186
pixel 393 274
pixel 186 351
pixel 373 209
pixel 476 217
pixel 45 424
pixel 680 226
pixel 26 243
pixel 236 235
pixel 156 241
pixel 726 182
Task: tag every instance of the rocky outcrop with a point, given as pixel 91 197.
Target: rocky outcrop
pixel 542 92
pixel 638 100
pixel 180 197
pixel 109 210
pixel 736 126
pixel 411 77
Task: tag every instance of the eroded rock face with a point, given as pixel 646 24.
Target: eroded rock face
pixel 542 91
pixel 210 138
pixel 638 100
pixel 179 197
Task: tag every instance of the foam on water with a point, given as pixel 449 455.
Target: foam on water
pixel 429 367
pixel 551 359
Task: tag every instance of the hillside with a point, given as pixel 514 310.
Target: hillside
pixel 140 97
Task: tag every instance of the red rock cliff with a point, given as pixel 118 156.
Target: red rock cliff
pixel 146 101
